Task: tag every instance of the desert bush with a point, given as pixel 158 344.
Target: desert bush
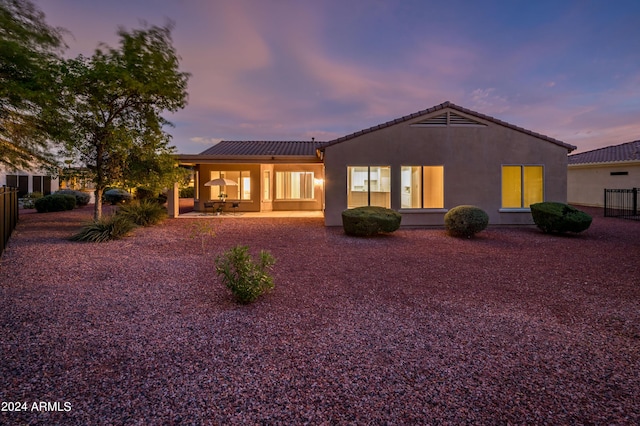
pixel 370 220
pixel 551 216
pixel 143 213
pixel 108 228
pixel 29 200
pixel 465 221
pixel 144 193
pixel 55 203
pixel 246 279
pixel 116 196
pixel 82 198
pixel 187 192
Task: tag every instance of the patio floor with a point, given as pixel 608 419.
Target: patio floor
pixel 225 215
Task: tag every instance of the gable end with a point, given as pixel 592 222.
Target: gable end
pixel 448 118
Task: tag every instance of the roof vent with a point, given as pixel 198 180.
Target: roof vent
pixel 449 119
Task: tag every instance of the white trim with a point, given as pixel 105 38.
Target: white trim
pixel 521 210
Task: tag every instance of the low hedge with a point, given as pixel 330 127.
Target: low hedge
pixel 556 217
pixel 55 203
pixel 82 198
pixel 370 220
pixel 116 196
pixel 465 221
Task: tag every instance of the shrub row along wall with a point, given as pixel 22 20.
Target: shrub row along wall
pixel 8 214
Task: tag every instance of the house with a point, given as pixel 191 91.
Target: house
pixel 269 175
pixel 428 162
pixel 613 167
pixel 420 165
pixel 36 179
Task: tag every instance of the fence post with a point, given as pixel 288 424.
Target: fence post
pixel 635 201
pixel 9 211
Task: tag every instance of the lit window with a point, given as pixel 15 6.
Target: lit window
pixel 522 186
pixel 369 186
pixel 294 185
pixel 240 191
pixel 422 187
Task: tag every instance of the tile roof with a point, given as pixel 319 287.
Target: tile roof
pixel 442 106
pixel 264 148
pixel 629 151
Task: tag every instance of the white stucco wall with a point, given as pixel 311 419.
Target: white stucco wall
pixel 586 182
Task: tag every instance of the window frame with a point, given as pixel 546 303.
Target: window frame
pixel 283 173
pixel 522 208
pixel 368 182
pixel 242 174
pixel 422 188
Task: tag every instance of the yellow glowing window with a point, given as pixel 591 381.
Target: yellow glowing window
pixel 422 187
pixel 240 191
pixel 369 186
pixel 294 185
pixel 522 186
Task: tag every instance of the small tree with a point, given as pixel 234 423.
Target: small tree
pixel 115 100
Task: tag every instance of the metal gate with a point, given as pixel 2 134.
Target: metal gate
pixel 621 203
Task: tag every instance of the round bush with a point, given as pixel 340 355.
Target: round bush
pixel 551 216
pixel 55 203
pixel 82 198
pixel 116 196
pixel 370 220
pixel 465 221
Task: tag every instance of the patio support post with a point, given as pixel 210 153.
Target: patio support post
pixel 173 201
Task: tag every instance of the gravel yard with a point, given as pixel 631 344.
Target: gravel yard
pixel 512 327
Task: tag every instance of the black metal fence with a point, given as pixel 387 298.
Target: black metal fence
pixel 8 214
pixel 621 203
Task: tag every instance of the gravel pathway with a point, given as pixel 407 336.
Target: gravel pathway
pixel 512 327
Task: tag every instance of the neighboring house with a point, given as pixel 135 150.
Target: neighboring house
pixel 270 176
pixel 420 165
pixel 612 167
pixel 36 179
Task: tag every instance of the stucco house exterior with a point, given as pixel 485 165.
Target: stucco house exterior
pixel 34 179
pixel 428 162
pixel 420 165
pixel 591 172
pixel 270 175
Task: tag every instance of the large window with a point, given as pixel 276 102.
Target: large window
pixel 422 187
pixel 522 186
pixel 294 185
pixel 369 186
pixel 241 191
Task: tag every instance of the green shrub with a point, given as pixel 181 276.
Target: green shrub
pixel 370 220
pixel 187 192
pixel 143 213
pixel 550 216
pixel 108 228
pixel 246 279
pixel 465 221
pixel 116 196
pixel 144 193
pixel 29 200
pixel 55 203
pixel 161 198
pixel 82 198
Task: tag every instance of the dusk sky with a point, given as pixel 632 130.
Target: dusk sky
pixel 293 70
